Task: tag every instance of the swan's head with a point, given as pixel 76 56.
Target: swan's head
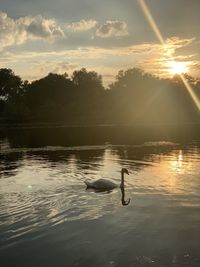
pixel 124 170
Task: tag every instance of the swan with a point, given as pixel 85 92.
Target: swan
pixel 106 184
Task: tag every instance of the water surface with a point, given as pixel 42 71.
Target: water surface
pixel 48 218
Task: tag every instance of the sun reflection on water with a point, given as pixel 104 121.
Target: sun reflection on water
pixel 177 163
pixel 48 188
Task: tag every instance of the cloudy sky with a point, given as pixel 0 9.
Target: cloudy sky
pixel 42 36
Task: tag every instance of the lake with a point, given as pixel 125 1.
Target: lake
pixel 48 218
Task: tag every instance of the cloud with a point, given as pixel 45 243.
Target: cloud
pixel 11 32
pixel 152 57
pixel 174 43
pixel 178 42
pixel 44 28
pixel 82 25
pixel 62 67
pixel 20 30
pixel 40 67
pixel 112 29
pixel 157 60
pixel 144 50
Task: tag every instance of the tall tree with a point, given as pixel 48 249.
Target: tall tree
pixel 90 81
pixel 11 85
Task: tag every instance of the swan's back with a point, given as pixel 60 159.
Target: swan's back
pixel 101 184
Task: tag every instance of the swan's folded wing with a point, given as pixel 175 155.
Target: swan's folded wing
pixel 104 184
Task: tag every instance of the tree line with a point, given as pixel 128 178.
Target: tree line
pixel 134 97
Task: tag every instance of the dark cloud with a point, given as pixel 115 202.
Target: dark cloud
pixel 44 28
pixel 112 29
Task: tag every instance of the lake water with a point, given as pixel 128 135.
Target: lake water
pixel 48 218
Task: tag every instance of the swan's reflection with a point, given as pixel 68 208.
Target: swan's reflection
pixel 123 201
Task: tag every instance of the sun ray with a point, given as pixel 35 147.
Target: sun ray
pixel 158 34
pixel 151 21
pixel 191 91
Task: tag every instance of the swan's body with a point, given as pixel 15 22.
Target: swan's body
pixel 106 184
pixel 101 184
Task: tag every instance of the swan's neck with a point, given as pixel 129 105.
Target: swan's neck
pixel 122 180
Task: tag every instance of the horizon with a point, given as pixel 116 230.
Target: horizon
pixel 177 77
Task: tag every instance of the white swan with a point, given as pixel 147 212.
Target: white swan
pixel 106 184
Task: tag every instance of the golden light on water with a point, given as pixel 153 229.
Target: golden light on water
pixel 177 163
pixel 174 66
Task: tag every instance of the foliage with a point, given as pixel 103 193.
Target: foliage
pixel 134 97
pixel 10 84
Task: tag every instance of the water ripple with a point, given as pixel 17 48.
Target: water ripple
pixel 45 189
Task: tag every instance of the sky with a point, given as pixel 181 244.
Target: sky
pixel 42 36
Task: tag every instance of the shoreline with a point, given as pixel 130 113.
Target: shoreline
pixel 91 125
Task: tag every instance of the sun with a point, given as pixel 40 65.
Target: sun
pixel 177 67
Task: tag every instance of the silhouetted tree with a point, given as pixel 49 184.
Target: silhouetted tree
pixel 90 94
pixel 10 85
pixel 12 91
pixel 134 97
pixel 144 98
pixel 47 97
pixel 87 80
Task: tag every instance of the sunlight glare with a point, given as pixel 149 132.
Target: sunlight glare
pixel 175 67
